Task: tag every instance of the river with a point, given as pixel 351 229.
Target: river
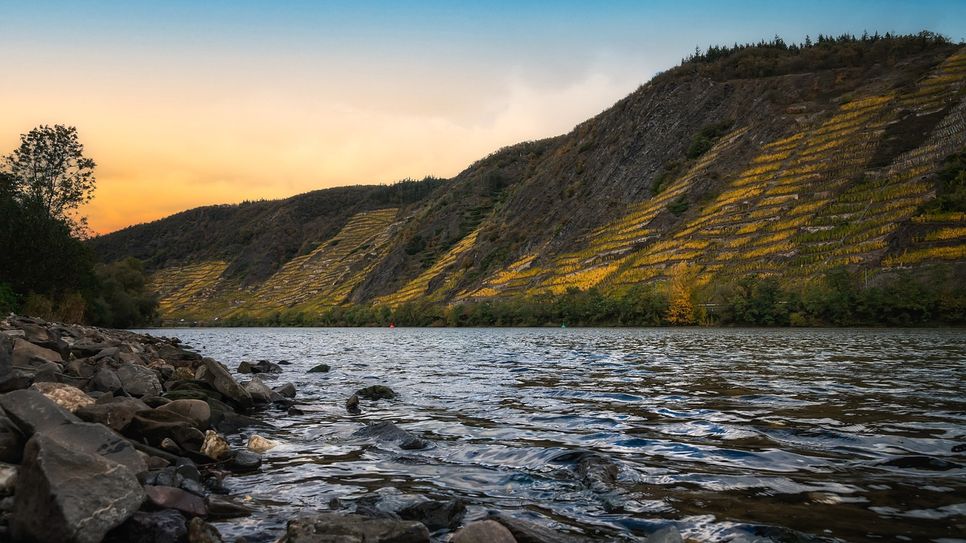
pixel 730 434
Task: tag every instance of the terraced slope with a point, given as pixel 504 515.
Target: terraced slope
pixel 817 169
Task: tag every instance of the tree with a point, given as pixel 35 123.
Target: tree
pixel 680 307
pixel 50 171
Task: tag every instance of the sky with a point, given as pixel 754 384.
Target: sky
pixel 184 103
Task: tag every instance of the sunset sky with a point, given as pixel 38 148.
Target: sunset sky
pixel 190 103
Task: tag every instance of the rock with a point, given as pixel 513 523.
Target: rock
pixel 200 531
pixel 215 446
pixel 26 353
pixel 262 366
pixel 6 354
pixel 169 497
pixel 138 380
pixel 436 515
pixel 95 439
pixel 11 442
pixel 667 534
pixel 168 444
pixel 225 507
pixel 352 405
pixel 183 374
pixel 483 531
pixel 286 391
pixel 30 411
pixel 154 425
pixel 376 392
pixel 321 368
pixel 66 396
pixel 259 444
pixel 66 495
pixel 105 380
pixel 8 479
pixel 341 528
pixel 528 532
pixel 197 411
pixel 225 384
pixel 245 461
pixel 258 390
pixel 115 413
pixel 84 349
pixel 167 526
pixel 595 470
pixel 387 431
pixel 194 487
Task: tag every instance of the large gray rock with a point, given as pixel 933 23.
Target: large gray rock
pixel 528 532
pixel 224 383
pixel 26 353
pixel 116 413
pixel 105 380
pixel 483 531
pixel 66 396
pixel 96 439
pixel 197 410
pixel 339 528
pixel 11 442
pixel 69 496
pixel 258 390
pixel 31 411
pixel 167 526
pixel 169 497
pixel 139 380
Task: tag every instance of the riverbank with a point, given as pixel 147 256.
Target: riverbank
pixel 109 435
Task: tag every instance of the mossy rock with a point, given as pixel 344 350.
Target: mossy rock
pixel 376 392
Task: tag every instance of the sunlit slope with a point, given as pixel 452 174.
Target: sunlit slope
pixel 799 173
pixel 321 278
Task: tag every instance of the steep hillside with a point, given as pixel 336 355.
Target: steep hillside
pixel 762 160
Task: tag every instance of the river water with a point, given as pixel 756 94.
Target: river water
pixel 730 434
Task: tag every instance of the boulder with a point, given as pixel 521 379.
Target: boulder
pixel 435 514
pixel 215 446
pixel 258 390
pixel 116 413
pixel 200 531
pixel 483 531
pixel 169 497
pixel 66 396
pixel 321 368
pixel 167 526
pixel 197 411
pixel 69 496
pixel 30 411
pixel 139 380
pixel 96 439
pixel 105 380
pixel 528 532
pixel 11 442
pixel 226 384
pixel 26 353
pixel 6 354
pixel 262 366
pixel 154 425
pixel 245 461
pixel 352 405
pixel 387 431
pixel 225 507
pixel 595 470
pixel 286 391
pixel 259 444
pixel 667 534
pixel 341 528
pixel 376 392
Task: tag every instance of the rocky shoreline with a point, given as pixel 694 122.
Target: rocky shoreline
pixel 109 435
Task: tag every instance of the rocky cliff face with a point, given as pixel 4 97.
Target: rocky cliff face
pixel 696 173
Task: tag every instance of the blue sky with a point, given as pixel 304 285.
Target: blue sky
pixel 190 103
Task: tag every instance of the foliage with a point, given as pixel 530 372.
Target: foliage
pixel 950 186
pixel 123 298
pixel 705 138
pixel 43 264
pixel 776 57
pixel 50 172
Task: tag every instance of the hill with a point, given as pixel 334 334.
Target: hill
pixel 766 160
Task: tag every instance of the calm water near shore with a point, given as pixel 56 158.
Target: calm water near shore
pixel 729 434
